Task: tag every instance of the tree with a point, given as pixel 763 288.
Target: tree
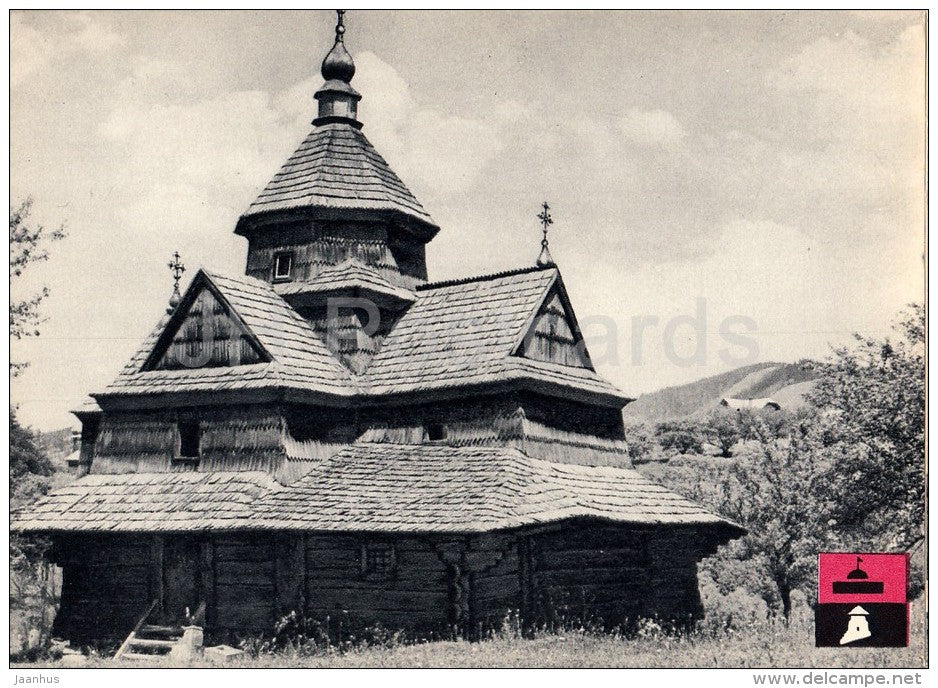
pixel 776 491
pixel 871 399
pixel 34 582
pixel 29 244
pixel 641 440
pixel 723 428
pixel 680 437
pixel 30 468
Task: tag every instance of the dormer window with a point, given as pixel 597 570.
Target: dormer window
pixel 283 265
pixel 190 435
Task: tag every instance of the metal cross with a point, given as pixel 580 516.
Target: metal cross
pixel 546 221
pixel 340 26
pixel 177 269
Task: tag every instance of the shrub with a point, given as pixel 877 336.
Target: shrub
pixel 680 437
pixel 723 428
pixel 643 447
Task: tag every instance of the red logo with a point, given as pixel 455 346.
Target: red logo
pixel 861 578
pixel 862 600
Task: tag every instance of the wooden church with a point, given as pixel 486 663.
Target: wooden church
pixel 336 435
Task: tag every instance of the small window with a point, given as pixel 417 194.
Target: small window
pixel 378 560
pixel 189 440
pixel 283 266
pixel 435 432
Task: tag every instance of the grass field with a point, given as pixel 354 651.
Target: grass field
pixel 763 645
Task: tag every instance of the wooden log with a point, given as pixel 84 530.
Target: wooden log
pixel 207 578
pixel 245 616
pixel 289 573
pixel 243 552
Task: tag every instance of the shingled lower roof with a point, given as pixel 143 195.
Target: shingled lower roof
pixel 300 359
pixel 134 502
pixel 438 488
pixel 337 168
pixel 347 275
pixel 371 487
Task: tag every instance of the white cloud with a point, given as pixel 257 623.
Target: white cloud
pixel 652 128
pixel 442 153
pixel 31 50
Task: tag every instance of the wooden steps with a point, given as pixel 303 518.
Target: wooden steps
pixel 148 642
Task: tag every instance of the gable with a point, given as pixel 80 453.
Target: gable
pixel 553 335
pixel 204 333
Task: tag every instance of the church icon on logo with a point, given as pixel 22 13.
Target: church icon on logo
pixel 858 628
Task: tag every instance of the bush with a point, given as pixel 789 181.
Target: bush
pixel 643 447
pixel 723 429
pixel 680 437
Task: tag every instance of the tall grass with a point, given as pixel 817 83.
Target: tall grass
pixel 757 643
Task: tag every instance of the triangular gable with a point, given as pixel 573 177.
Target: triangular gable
pixel 553 335
pixel 205 332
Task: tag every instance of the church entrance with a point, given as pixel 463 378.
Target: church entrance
pixel 181 579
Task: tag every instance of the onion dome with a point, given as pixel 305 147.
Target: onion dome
pixel 338 101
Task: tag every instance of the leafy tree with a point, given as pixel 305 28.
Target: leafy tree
pixel 30 468
pixel 871 399
pixel 723 428
pixel 680 437
pixel 29 244
pixel 777 492
pixel 34 583
pixel 642 444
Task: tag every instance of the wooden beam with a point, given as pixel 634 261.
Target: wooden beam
pixel 157 594
pixel 207 578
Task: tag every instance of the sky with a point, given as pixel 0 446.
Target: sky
pixel 726 187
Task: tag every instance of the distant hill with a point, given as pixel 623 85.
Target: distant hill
pixel 787 383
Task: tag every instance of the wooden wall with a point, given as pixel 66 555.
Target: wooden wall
pixel 440 585
pixel 317 246
pixel 415 596
pixel 233 438
pixel 609 574
pixel 106 586
pixel 207 337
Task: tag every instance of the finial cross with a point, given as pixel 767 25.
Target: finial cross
pixel 546 221
pixel 340 24
pixel 177 268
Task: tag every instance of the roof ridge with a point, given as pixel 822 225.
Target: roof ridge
pixel 484 278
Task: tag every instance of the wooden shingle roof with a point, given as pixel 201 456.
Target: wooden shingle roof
pixel 375 488
pixel 438 488
pixel 300 359
pixel 147 502
pixel 337 168
pixel 347 275
pixel 464 333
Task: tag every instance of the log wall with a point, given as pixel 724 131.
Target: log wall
pixel 232 438
pixel 106 586
pixel 587 572
pixel 415 596
pixel 317 246
pixel 610 575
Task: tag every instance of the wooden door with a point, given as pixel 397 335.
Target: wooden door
pixel 181 578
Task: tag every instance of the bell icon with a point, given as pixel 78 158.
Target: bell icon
pixel 857 628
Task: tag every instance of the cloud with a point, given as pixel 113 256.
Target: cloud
pixel 442 153
pixel 31 50
pixel 652 128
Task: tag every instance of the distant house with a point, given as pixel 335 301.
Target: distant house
pixel 765 404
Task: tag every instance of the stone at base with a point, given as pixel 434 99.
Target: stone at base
pixel 189 646
pixel 222 653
